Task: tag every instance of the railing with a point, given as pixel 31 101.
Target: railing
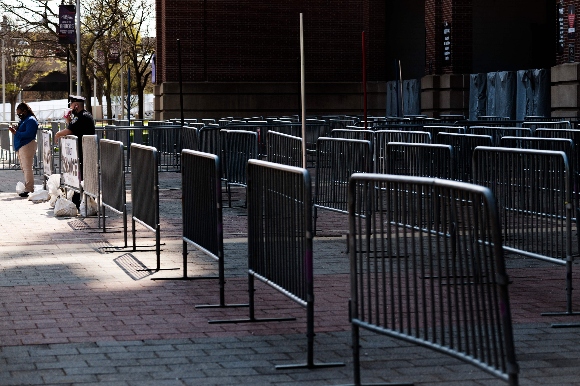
pixel 284 149
pixel 280 241
pixel 534 193
pixel 113 181
pixel 427 267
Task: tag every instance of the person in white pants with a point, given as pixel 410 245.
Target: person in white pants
pixel 25 144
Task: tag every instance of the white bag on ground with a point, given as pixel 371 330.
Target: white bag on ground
pixel 20 187
pixel 65 208
pixel 91 209
pixel 53 184
pixel 39 195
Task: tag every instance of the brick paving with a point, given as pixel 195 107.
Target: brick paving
pixel 75 313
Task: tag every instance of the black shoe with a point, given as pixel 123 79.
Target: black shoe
pixel 23 194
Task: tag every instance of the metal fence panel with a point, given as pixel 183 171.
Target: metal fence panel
pixel 47 156
pixel 358 133
pixel 239 147
pixel 280 228
pixel 202 210
pixel 539 124
pixel 420 160
pixel 112 174
pixel 210 140
pixel 284 149
pixel 336 160
pixel 145 185
pixel 463 146
pixel 497 133
pixel 427 267
pixel 383 137
pixel 91 165
pixel 189 138
pixel 534 195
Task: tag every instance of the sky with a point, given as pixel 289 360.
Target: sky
pixel 53 4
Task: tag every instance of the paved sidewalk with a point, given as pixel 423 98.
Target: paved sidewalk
pixel 74 312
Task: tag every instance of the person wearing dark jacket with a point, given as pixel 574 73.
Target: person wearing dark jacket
pixel 80 122
pixel 25 144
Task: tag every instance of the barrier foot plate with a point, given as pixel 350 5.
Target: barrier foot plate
pixel 186 278
pixel 221 305
pixel 311 366
pixel 157 270
pixel 565 325
pixel 381 384
pixel 231 321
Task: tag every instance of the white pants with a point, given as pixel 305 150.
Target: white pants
pixel 26 157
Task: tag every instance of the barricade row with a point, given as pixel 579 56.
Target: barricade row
pixel 280 246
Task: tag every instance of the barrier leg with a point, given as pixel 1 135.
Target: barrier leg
pixel 252 318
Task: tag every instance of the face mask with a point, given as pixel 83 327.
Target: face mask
pixel 21 116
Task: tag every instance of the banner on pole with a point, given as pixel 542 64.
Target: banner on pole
pixel 66 24
pixel 153 70
pixel 114 53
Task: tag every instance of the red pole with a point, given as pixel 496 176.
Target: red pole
pixel 364 78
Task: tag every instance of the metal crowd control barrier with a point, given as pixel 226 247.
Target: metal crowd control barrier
pixel 167 141
pixel 47 157
pixel 145 194
pixel 7 155
pixel 353 133
pixel 280 241
pixel 336 160
pixel 91 180
pixel 69 163
pixel 535 201
pixel 574 135
pixel 112 167
pixel 384 137
pixel 284 149
pixel 434 130
pixel 239 146
pixel 427 267
pixel 420 160
pixel 202 215
pixel 463 146
pixel 189 138
pixel 558 125
pixel 497 133
pixel 210 140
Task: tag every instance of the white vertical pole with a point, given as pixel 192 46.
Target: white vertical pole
pixel 3 83
pixel 78 47
pixel 302 92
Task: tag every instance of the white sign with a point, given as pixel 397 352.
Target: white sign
pixel 70 162
pixel 46 153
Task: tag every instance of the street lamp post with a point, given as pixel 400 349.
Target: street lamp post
pixel 78 47
pixel 3 82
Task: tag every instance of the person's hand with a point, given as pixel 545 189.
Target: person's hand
pixel 12 129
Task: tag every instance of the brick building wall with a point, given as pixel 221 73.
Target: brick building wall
pixel 568 50
pixel 258 41
pixel 457 16
pixel 242 57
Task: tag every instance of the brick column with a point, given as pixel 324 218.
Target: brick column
pixel 568 50
pixel 448 25
pixel 565 76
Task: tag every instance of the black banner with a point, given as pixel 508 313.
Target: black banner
pixel 114 53
pixel 66 24
pixel 446 43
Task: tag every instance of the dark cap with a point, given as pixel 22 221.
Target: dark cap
pixel 76 98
